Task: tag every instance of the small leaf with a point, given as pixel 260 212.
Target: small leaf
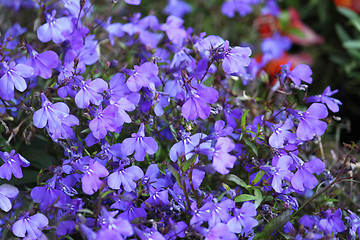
pixel 244 198
pixel 258 196
pixel 251 145
pixel 243 118
pixel 175 174
pixel 258 177
pixel 185 166
pixel 236 179
pixel 347 13
pixel 274 225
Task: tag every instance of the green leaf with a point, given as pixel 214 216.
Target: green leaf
pixel 175 174
pixel 347 13
pixel 244 198
pixel 274 225
pixel 342 34
pixel 258 177
pixel 237 180
pixel 251 145
pixel 185 165
pixel 353 44
pixel 243 118
pixel 258 196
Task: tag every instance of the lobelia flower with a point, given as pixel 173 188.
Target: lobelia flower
pixel 158 197
pixel 29 226
pixel 48 194
pixel 7 191
pixel 280 172
pixel 301 72
pixel 185 147
pixel 332 222
pixel 235 59
pixel 90 92
pixel 42 63
pixel 114 228
pixel 114 29
pixel 14 75
pixel 120 106
pixel 12 165
pixel 331 103
pixel 177 8
pixel 222 160
pixel 125 177
pixel 175 31
pixel 92 173
pixel 133 2
pixel 220 231
pixel 243 7
pixel 310 123
pixel 281 134
pixel 177 230
pixel 86 55
pixel 274 47
pixel 196 104
pixel 243 220
pixel 353 223
pixel 103 122
pixel 304 176
pixel 140 144
pixel 56 116
pixel 219 212
pixel 55 29
pixel 118 89
pixel 141 76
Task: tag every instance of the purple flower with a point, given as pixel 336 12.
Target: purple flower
pixel 125 177
pixel 56 116
pixel 114 29
pixel 30 225
pixel 196 105
pixel 141 76
pixel 14 75
pixel 243 7
pixel 90 92
pixel 353 223
pixel 55 28
pixel 47 195
pixel 243 220
pixel 120 106
pixel 175 31
pixel 331 103
pixel 280 172
pixel 220 212
pixel 281 134
pixel 301 72
pixel 103 122
pixel 177 8
pixel 7 191
pixel 118 89
pixel 158 197
pixel 220 231
pixel 133 2
pixel 12 165
pixel 274 47
pixel 42 63
pixel 92 173
pixel 332 222
pixel 222 160
pixel 235 58
pixel 310 124
pixel 304 176
pixel 185 148
pixel 114 228
pixel 140 144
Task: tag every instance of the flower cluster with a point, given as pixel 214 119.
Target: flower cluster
pixel 156 139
